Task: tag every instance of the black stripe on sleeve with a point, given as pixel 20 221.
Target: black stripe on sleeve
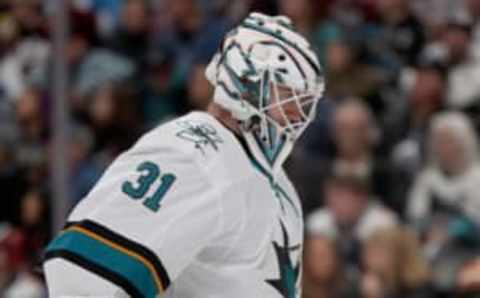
pixel 129 245
pixel 68 224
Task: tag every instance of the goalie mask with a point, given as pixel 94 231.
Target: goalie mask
pixel 267 75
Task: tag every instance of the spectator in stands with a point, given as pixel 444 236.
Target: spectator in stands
pixel 191 33
pixel 302 13
pixel 20 58
pixel 355 135
pixel 393 266
pixel 401 37
pixel 407 124
pixel 30 116
pixel 94 66
pixel 31 151
pixel 444 203
pixel 464 68
pixel 82 35
pixel 28 15
pixel 350 215
pixel 115 118
pixel 324 275
pixel 133 35
pixel 17 284
pixel 162 100
pixel 349 77
pixel 23 243
pixel 90 66
pixel 341 141
pixel 448 184
pixel 34 226
pixel 434 14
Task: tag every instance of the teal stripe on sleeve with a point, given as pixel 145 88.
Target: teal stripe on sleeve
pixel 108 257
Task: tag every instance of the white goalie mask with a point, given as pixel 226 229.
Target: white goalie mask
pixel 267 75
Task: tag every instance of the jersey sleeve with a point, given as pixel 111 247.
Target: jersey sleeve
pixel 151 214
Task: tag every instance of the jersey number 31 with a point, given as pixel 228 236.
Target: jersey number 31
pixel 150 172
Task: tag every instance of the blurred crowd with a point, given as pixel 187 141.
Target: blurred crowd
pixel 387 172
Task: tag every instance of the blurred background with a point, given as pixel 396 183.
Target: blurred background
pixel 388 172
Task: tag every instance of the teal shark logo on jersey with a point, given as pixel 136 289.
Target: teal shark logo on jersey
pixel 202 135
pixel 286 285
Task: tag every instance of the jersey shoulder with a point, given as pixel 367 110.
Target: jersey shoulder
pixel 203 140
pixel 196 134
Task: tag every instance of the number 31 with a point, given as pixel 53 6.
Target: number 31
pixel 150 174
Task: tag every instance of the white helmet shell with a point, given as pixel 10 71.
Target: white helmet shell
pixel 256 60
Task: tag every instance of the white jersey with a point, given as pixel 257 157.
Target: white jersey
pixel 188 213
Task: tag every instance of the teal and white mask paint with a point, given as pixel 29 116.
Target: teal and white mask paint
pixel 268 76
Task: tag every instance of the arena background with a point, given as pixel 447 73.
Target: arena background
pixel 388 173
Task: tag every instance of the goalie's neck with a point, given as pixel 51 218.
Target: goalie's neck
pixel 270 163
pixel 225 117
